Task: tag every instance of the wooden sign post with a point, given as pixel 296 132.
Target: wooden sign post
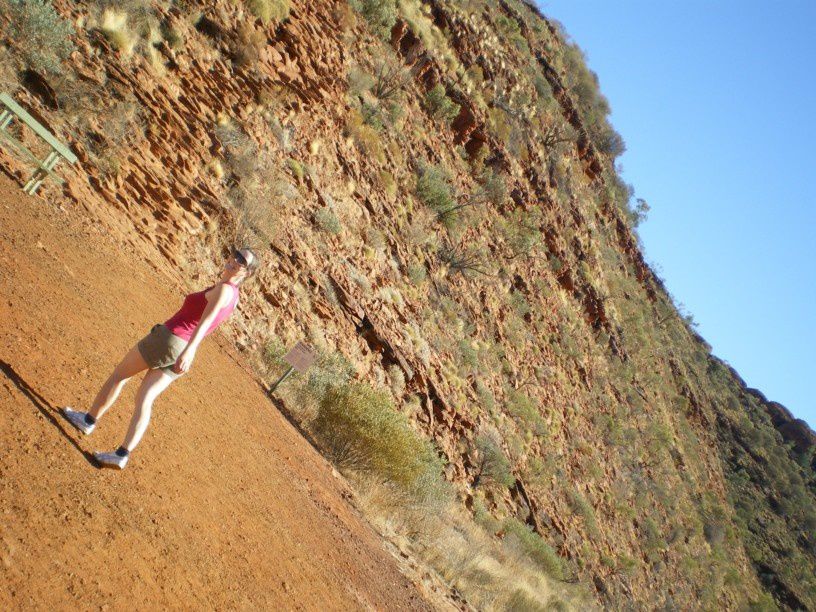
pixel 299 358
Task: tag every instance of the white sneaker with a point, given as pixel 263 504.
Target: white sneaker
pixel 111 460
pixel 77 419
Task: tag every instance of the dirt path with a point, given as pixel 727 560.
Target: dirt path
pixel 224 504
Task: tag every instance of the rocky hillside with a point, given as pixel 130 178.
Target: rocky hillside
pixel 432 185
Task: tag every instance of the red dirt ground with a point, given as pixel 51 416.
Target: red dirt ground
pixel 223 505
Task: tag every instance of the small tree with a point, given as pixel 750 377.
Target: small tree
pixel 390 79
pixel 493 465
pixel 462 259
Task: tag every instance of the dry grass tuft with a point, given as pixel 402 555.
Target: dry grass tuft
pixel 115 27
pixel 490 575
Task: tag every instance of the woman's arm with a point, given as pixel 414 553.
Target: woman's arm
pixel 217 297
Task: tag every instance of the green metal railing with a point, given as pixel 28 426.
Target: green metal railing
pixel 9 109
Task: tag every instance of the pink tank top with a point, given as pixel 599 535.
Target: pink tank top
pixel 184 323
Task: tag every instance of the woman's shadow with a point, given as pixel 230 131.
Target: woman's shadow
pixel 44 406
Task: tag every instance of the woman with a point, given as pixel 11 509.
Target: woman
pixel 168 351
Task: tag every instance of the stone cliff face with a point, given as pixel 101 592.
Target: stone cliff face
pixel 524 313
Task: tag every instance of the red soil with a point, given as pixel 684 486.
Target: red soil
pixel 224 504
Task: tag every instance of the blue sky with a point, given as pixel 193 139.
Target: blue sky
pixel 717 104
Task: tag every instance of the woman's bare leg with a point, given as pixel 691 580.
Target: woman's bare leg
pixel 131 364
pixel 154 382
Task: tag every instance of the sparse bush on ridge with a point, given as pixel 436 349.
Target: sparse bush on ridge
pixel 298 169
pixel 272 353
pixel 372 116
pixel 359 81
pixel 240 151
pixel 521 230
pixel 174 38
pixel 9 79
pixel 583 83
pixel 510 28
pixel 332 369
pixel 522 601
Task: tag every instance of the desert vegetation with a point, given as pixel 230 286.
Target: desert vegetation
pixel 517 399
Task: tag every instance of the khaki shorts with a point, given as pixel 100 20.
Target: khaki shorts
pixel 160 349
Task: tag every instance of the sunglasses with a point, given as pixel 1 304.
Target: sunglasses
pixel 239 257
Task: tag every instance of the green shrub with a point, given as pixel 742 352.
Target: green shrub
pixel 380 15
pixel 763 603
pixel 327 220
pixel 330 370
pixel 359 81
pixel 653 539
pixel 486 397
pixel 359 425
pixel 626 564
pixel 417 273
pixel 372 116
pixel 433 190
pixel 365 137
pixel 174 38
pixel 582 507
pixel 511 29
pixel 466 260
pixel 525 411
pixel 43 36
pixel 484 518
pixel 391 77
pixel 440 105
pixel 492 188
pixel 519 303
pixel 269 10
pixel 536 548
pixel 240 151
pixel 542 87
pixel 272 355
pixel 521 230
pixel 468 355
pixel 388 183
pixel 297 168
